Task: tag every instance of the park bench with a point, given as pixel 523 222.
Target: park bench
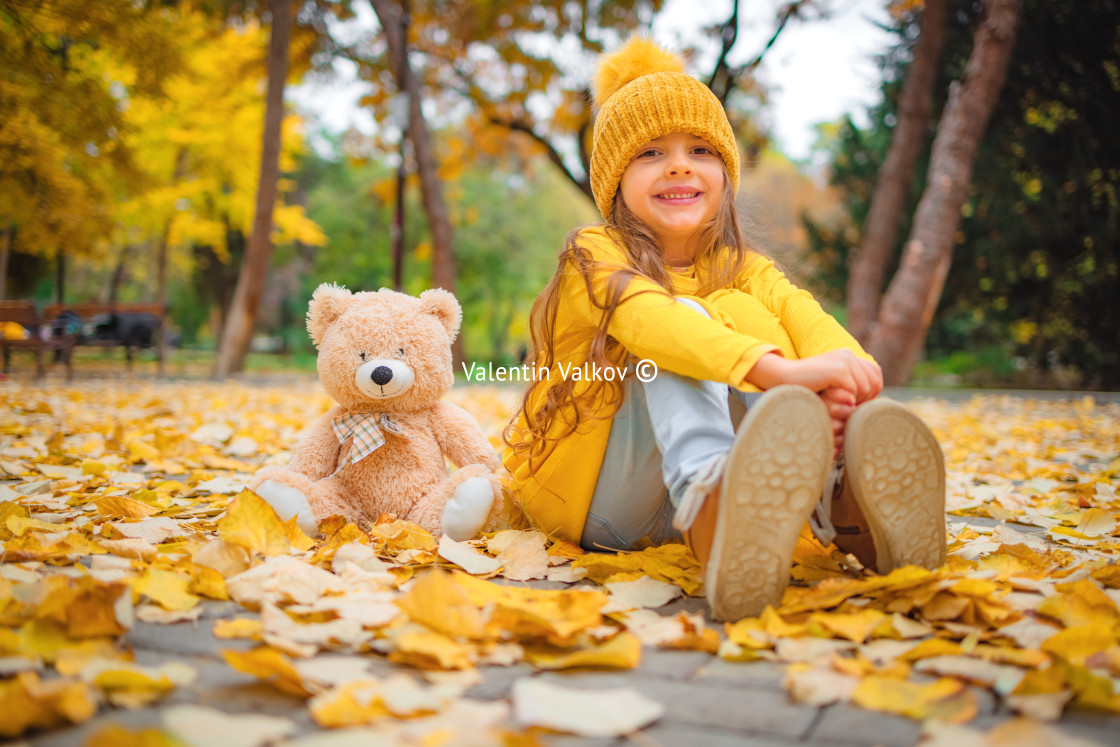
pixel 42 336
pixel 130 325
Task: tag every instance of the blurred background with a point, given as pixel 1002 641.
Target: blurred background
pixel 942 175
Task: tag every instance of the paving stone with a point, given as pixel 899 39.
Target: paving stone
pixel 213 674
pixel 986 700
pixel 697 736
pixel 741 674
pixel 183 638
pixel 701 704
pixel 671 664
pixel 691 605
pixel 1101 728
pixel 214 610
pixel 497 681
pixel 847 724
pixel 569 740
pixel 74 736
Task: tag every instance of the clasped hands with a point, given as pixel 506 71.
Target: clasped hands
pixel 841 378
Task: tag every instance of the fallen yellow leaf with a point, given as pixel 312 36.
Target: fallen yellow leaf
pixel 269 665
pixel 254 525
pixel 946 699
pixel 351 704
pixel 30 703
pixel 166 588
pixel 623 651
pixel 436 600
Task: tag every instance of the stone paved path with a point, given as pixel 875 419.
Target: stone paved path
pixel 710 702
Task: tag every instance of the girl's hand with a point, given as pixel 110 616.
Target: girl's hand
pixel 841 405
pixel 836 369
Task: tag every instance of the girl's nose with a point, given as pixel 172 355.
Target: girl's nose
pixel 678 163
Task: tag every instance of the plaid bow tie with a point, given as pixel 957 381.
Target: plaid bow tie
pixel 364 434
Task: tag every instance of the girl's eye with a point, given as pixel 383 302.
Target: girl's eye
pixel 703 150
pixel 647 153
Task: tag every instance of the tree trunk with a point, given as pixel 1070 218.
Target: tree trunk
pixel 880 230
pixel 912 297
pixel 117 278
pixel 237 330
pixel 217 280
pixel 161 297
pixel 391 16
pixel 161 268
pixel 5 253
pixel 60 277
pixel 396 231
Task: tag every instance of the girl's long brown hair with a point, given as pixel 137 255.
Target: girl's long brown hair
pixel 644 259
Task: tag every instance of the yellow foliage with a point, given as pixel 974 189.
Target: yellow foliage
pixel 671 563
pixel 120 507
pixel 114 735
pixel 394 537
pixel 254 525
pixel 166 588
pixel 269 665
pixel 946 699
pixel 27 702
pixel 352 704
pixel 623 651
pixel 242 627
pixel 1005 600
pixel 431 650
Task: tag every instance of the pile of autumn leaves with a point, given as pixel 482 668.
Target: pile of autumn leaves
pixel 122 504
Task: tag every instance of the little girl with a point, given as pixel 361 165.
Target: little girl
pixel 668 290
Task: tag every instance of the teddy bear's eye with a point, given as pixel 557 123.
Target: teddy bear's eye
pixel 400 352
pixel 362 354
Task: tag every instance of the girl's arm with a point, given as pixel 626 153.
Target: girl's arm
pixel 651 323
pixel 812 329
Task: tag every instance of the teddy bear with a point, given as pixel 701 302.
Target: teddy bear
pixel 385 358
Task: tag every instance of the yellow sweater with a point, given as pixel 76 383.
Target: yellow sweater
pixel 762 313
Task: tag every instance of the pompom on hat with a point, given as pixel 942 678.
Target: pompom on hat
pixel 642 93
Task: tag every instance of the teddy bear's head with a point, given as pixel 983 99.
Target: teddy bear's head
pixel 383 351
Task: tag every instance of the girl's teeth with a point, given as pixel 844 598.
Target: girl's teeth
pixel 679 197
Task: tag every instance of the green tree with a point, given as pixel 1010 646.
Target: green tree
pixel 1037 256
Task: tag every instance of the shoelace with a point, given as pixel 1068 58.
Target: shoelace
pixel 703 483
pixel 821 519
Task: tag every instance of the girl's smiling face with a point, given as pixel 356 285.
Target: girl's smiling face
pixel 673 184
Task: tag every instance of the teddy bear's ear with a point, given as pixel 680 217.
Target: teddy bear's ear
pixel 327 304
pixel 443 306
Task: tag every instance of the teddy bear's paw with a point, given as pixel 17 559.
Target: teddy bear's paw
pixel 288 502
pixel 468 509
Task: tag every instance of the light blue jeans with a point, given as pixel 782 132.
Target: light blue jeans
pixel 666 430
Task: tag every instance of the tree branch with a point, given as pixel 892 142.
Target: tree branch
pixel 729 33
pixel 732 74
pixel 584 185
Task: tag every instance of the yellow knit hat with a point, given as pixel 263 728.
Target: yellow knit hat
pixel 643 93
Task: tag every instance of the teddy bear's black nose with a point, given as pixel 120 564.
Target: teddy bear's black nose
pixel 382 375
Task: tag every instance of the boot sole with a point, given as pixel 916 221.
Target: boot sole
pixel 775 473
pixel 896 472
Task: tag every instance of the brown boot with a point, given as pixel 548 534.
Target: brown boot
pixel 745 533
pixel 894 490
pixel 853 534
